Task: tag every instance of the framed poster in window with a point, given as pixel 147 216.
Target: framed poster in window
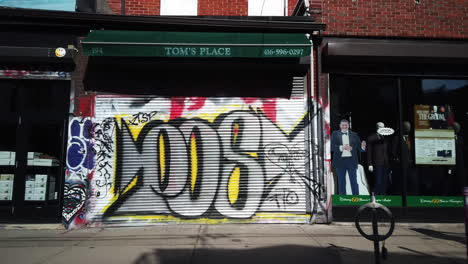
pixel 434 136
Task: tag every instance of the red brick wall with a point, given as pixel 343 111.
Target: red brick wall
pixel 142 7
pixel 291 6
pixel 136 7
pixel 222 7
pixel 114 5
pixel 396 18
pixel 315 7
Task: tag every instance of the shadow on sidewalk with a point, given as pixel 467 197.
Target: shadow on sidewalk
pixel 457 237
pixel 282 254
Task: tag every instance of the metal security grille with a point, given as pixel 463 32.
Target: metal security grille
pixel 298 86
pixel 199 160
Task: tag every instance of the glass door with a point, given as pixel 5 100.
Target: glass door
pixel 9 119
pixel 42 168
pixel 32 151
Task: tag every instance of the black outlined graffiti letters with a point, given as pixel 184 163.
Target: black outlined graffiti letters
pixel 104 148
pixel 194 167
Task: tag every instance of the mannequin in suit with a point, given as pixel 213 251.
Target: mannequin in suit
pixel 457 172
pixel 378 160
pixel 403 149
pixel 346 146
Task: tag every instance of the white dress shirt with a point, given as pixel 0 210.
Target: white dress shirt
pixel 345 140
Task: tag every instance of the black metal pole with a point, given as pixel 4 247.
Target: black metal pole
pixel 403 163
pixel 465 192
pixel 122 7
pixel 375 230
pixel 317 68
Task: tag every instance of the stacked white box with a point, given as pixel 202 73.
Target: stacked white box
pixel 7 177
pixel 40 187
pixel 29 193
pixel 5 162
pixel 6 190
pixel 6 186
pixel 30 184
pixel 41 178
pixel 45 162
pixel 33 155
pixel 7 158
pixel 39 194
pixel 34 159
pixel 5 154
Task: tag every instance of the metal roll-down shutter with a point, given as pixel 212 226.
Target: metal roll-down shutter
pixel 199 160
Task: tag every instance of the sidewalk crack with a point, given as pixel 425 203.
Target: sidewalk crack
pixel 64 249
pixel 310 236
pixel 192 256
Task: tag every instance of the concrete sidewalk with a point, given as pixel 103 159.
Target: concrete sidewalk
pixel 239 244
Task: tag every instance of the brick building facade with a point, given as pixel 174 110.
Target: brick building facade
pixel 204 111
pixel 430 19
pixel 390 57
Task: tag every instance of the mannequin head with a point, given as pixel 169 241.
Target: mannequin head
pixel 406 127
pixel 456 127
pixel 380 125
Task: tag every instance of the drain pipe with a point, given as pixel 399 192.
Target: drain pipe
pixel 312 101
pixel 312 128
pixel 314 132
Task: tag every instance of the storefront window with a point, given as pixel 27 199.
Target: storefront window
pixel 419 152
pixel 32 115
pixel 8 128
pixel 438 114
pixel 367 102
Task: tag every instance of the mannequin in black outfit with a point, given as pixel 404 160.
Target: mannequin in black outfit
pixel 407 160
pixel 378 160
pixel 457 172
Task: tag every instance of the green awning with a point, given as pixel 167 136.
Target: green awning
pixel 195 44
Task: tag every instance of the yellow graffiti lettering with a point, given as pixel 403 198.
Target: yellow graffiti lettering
pixel 162 157
pixel 252 154
pixel 233 185
pixel 194 161
pixel 131 185
pixel 259 217
pixel 116 196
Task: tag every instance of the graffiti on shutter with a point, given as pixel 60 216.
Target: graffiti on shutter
pixel 194 160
